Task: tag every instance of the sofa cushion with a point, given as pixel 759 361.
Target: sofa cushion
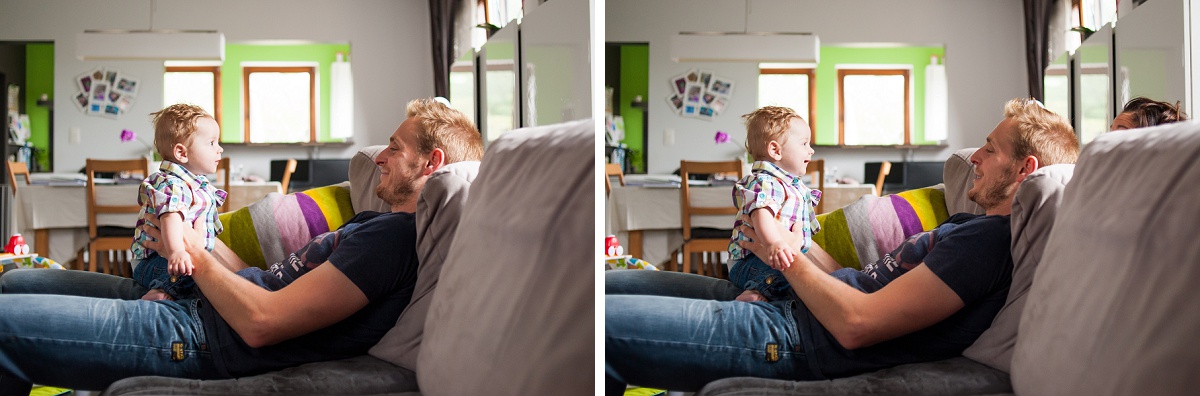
pixel 955 376
pixel 869 227
pixel 959 177
pixel 1112 306
pixel 364 176
pixel 1034 207
pixel 270 228
pixel 362 375
pixel 439 208
pixel 514 311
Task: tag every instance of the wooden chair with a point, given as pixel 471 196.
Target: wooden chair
pixel 14 169
pixel 287 174
pixel 611 170
pixel 884 169
pixel 712 242
pixel 113 241
pixel 224 166
pixel 816 168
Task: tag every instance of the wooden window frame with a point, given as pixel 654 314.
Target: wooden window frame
pixel 216 72
pixel 841 95
pixel 812 94
pixel 312 96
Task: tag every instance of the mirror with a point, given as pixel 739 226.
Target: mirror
pixel 462 85
pixel 498 84
pixel 1150 53
pixel 1057 86
pixel 556 76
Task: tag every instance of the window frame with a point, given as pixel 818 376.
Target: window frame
pixel 312 98
pixel 812 92
pixel 841 97
pixel 216 72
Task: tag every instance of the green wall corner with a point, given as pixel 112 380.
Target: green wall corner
pixel 635 81
pixel 39 79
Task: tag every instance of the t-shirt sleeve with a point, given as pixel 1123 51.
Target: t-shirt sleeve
pixel 762 192
pixel 973 258
pixel 169 195
pixel 380 255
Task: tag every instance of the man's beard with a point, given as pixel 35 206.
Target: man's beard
pixel 993 195
pixel 402 190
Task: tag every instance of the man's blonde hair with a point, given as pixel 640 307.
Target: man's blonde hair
pixel 766 124
pixel 1041 133
pixel 439 126
pixel 175 124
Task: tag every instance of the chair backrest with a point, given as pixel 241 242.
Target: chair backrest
pixel 139 165
pixel 884 169
pixel 611 170
pixel 225 166
pixel 687 168
pixel 287 174
pixel 14 169
pixel 816 168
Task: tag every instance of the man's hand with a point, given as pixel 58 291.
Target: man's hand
pixel 750 296
pixel 192 238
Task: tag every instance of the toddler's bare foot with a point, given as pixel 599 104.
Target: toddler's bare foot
pixel 750 296
pixel 156 294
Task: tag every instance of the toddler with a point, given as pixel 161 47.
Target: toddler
pixel 771 199
pixel 178 195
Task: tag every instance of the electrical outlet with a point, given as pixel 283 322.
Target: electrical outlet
pixel 669 137
pixel 75 135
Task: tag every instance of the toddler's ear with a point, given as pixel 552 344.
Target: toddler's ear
pixel 180 152
pixel 775 150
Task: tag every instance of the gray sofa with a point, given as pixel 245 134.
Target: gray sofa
pixel 1105 264
pixel 504 302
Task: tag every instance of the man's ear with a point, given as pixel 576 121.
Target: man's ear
pixel 180 152
pixel 1028 166
pixel 437 159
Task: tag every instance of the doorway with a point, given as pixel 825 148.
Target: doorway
pixel 627 75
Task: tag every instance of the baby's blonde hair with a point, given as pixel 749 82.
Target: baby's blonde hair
pixel 175 124
pixel 766 124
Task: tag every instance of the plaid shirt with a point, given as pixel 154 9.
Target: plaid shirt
pixel 769 186
pixel 175 189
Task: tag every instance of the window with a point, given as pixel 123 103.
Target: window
pixel 280 104
pixel 1095 103
pixel 462 84
pixel 794 87
pixel 198 85
pixel 874 107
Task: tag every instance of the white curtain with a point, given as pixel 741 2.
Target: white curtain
pixel 935 101
pixel 341 99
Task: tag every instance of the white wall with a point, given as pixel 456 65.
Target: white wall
pixel 390 54
pixel 985 63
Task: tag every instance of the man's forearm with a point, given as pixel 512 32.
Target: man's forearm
pixel 830 300
pixel 822 259
pixel 238 301
pixel 227 257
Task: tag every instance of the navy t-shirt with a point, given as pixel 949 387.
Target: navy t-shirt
pixel 376 251
pixel 970 253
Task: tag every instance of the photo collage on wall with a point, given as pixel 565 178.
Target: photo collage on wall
pixel 105 93
pixel 699 94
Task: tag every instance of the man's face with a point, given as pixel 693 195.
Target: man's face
pixel 401 167
pixel 995 168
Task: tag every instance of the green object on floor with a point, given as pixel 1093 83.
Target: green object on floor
pixel 39 390
pixel 644 392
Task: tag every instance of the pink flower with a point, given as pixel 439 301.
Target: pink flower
pixel 721 137
pixel 127 135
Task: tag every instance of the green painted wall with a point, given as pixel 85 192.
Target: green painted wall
pixel 231 81
pixel 826 76
pixel 635 81
pixel 39 79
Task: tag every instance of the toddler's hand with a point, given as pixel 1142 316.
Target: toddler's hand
pixel 179 263
pixel 780 255
pixel 157 294
pixel 750 296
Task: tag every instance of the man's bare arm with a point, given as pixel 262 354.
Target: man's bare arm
pixel 858 319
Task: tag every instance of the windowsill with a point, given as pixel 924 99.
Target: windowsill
pixel 347 143
pixel 893 146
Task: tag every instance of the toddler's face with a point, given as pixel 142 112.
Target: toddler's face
pixel 798 150
pixel 204 151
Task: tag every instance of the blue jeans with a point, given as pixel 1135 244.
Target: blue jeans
pixel 151 272
pixel 680 331
pixel 751 273
pixel 86 330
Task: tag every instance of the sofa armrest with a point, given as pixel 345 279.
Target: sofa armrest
pixel 357 375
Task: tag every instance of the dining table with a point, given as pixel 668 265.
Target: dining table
pixel 647 219
pixel 54 212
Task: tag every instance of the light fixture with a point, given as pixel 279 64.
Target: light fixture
pixel 745 46
pixel 150 44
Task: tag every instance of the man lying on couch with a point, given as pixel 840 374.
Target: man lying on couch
pixel 929 299
pixel 247 320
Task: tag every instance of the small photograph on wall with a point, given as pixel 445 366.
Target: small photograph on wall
pixel 709 98
pixel 718 105
pixel 693 77
pixel 705 78
pixel 675 101
pixel 95 109
pixel 99 92
pixel 690 110
pixel 721 86
pixel 81 101
pixel 124 103
pixel 84 82
pixel 111 111
pixel 113 96
pixel 127 85
pixel 706 112
pixel 679 84
pixel 110 76
pixel 694 91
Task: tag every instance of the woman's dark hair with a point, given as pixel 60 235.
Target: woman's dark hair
pixel 1147 112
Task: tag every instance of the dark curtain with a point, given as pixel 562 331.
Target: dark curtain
pixel 1037 28
pixel 441 25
